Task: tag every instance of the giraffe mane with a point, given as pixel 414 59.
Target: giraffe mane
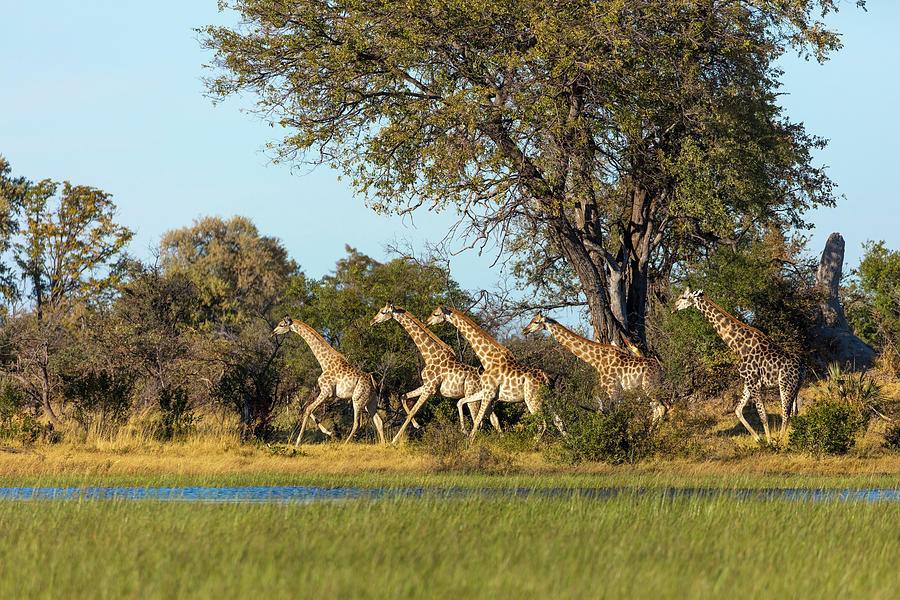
pixel 729 315
pixel 318 335
pixel 591 342
pixel 429 332
pixel 494 342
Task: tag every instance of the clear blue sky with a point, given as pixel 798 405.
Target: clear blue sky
pixel 108 94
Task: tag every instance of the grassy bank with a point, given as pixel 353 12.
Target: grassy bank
pixel 362 464
pixel 645 546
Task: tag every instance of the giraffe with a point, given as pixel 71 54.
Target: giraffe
pixel 619 371
pixel 762 363
pixel 338 379
pixel 442 373
pixel 503 378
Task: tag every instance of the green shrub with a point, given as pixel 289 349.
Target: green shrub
pixel 892 437
pixel 176 419
pixel 101 400
pixel 829 427
pixel 443 440
pixel 625 433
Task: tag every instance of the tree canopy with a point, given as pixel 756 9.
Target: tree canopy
pixel 604 142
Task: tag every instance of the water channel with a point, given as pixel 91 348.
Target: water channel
pixel 306 494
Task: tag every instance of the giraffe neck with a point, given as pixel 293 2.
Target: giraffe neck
pixel 578 345
pixel 428 343
pixel 725 325
pixel 320 348
pixel 488 350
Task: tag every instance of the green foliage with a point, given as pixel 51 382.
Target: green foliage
pixel 829 427
pixel 872 302
pixel 177 420
pixel 624 433
pixel 101 400
pixel 443 440
pixel 847 401
pixel 594 138
pixel 12 195
pixel 17 423
pixel 892 437
pixel 237 279
pixel 860 390
pixel 71 247
pixel 239 274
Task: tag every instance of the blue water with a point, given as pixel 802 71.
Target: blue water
pixel 301 494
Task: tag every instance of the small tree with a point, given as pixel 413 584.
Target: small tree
pixel 240 276
pixel 68 254
pixel 873 297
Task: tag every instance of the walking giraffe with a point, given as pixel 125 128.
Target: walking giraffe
pixel 442 373
pixel 762 363
pixel 338 379
pixel 503 377
pixel 619 371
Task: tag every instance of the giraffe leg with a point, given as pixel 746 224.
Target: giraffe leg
pixel 324 395
pixel 474 403
pixel 739 411
pixel 488 396
pixel 320 426
pixel 495 422
pixel 761 409
pixel 474 407
pixel 416 393
pixel 424 393
pixel 355 421
pixel 532 404
pixel 788 388
pixel 372 409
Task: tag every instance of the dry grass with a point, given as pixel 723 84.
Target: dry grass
pixel 361 459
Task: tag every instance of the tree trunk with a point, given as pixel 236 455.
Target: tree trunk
pixel 841 344
pixel 637 242
pixel 604 290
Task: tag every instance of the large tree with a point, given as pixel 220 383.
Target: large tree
pixel 604 141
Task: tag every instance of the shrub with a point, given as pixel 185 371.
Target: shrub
pixel 101 400
pixel 176 419
pixel 442 439
pixel 829 427
pixel 625 433
pixel 892 437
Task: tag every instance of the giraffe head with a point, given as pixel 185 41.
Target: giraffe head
pixel 687 299
pixel 440 315
pixel 386 314
pixel 537 323
pixel 283 326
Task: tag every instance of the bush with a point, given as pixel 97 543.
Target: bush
pixel 892 437
pixel 101 400
pixel 176 419
pixel 829 427
pixel 442 439
pixel 625 433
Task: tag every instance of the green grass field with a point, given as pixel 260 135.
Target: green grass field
pixel 645 546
